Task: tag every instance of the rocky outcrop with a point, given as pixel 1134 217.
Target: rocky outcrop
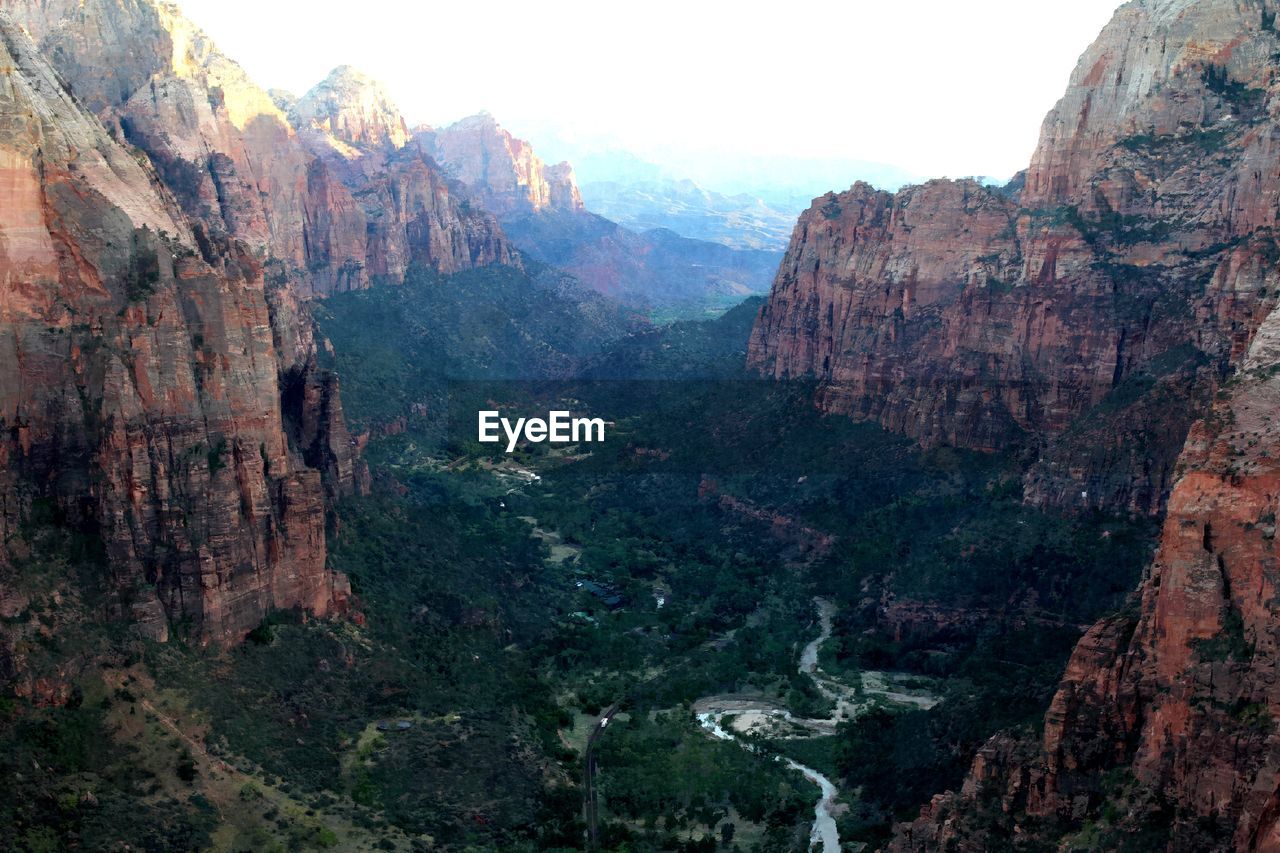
pixel 1164 727
pixel 232 158
pixel 503 171
pixel 142 391
pixel 541 209
pixel 1138 248
pixel 386 206
pixel 353 108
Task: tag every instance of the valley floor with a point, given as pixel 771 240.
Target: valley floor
pixel 849 616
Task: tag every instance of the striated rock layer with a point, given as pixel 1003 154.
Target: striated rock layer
pixel 1163 732
pixel 504 172
pixel 141 392
pixel 232 158
pixel 1136 255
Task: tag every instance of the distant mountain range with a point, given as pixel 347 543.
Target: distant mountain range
pixel 674 251
pixel 783 182
pixel 740 221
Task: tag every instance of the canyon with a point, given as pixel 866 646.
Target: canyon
pixel 1112 309
pixel 1105 322
pixel 1099 295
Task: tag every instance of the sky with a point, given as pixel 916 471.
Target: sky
pixel 932 87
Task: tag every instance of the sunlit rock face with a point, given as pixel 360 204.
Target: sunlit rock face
pixel 231 156
pixel 142 384
pixel 503 171
pixel 1136 251
pixel 405 208
pixel 353 108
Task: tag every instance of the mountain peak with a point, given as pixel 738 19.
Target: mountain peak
pixel 354 108
pixel 501 168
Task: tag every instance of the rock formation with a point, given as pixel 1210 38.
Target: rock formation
pixel 1163 730
pixel 1136 255
pixel 353 108
pixel 503 171
pixel 142 391
pixel 1181 691
pixel 232 159
pixel 383 206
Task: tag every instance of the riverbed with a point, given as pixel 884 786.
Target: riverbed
pixel 730 717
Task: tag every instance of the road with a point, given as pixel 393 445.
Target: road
pixel 591 805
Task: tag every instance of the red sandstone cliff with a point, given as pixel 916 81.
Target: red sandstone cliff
pixel 1183 693
pixel 142 383
pixel 503 171
pixel 1164 727
pixel 1138 255
pixel 233 160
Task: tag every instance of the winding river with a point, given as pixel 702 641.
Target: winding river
pixel 762 715
pixel 824 835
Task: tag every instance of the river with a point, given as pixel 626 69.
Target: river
pixel 824 835
pixel 773 720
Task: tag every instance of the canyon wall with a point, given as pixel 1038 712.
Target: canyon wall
pixel 1164 725
pixel 1101 295
pixel 1163 730
pixel 234 162
pixel 142 393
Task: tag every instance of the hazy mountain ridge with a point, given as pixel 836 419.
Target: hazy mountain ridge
pixel 541 208
pixel 740 221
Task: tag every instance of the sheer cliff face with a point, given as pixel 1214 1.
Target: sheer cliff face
pixel 1182 693
pixel 406 211
pixel 1140 250
pixel 354 108
pixel 503 171
pixel 1190 697
pixel 232 158
pixel 141 389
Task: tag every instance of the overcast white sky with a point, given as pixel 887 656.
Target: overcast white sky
pixel 937 87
